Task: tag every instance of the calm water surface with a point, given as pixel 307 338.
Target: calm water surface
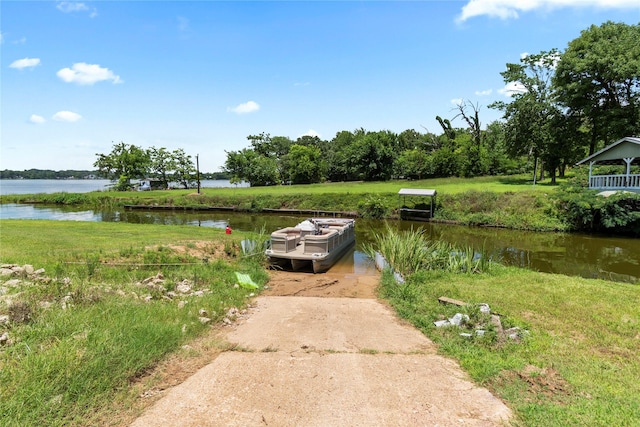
pixel 48 186
pixel 615 258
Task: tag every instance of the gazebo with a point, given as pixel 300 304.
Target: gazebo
pixel 625 152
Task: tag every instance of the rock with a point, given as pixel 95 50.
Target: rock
pixel 442 323
pixel 181 303
pixel 480 332
pixel 459 319
pixel 484 308
pixel 4 338
pixel 66 302
pixel 28 268
pixel 39 272
pixel 198 293
pixel 4 319
pixel 495 321
pixel 6 271
pixel 18 270
pixel 204 320
pixel 183 288
pixel 466 335
pixel 226 321
pixel 202 312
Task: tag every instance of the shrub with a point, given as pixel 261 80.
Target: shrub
pixel 372 207
pixel 584 210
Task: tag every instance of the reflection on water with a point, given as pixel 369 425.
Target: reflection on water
pixel 615 258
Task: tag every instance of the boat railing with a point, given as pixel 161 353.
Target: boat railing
pixel 320 243
pixel 286 239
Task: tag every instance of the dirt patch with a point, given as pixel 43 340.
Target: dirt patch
pixel 539 384
pixel 283 283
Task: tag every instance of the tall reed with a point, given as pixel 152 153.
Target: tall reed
pixel 410 251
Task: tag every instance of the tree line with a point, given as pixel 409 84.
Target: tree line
pixel 564 106
pixel 47 174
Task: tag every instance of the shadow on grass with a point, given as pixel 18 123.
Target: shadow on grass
pixel 524 180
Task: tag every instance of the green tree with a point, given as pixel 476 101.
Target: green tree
pixel 249 166
pixel 162 163
pixel 413 164
pixel 372 156
pixel 123 163
pixel 184 171
pixel 306 164
pixel 532 113
pixel 598 79
pixel 474 153
pixel 339 167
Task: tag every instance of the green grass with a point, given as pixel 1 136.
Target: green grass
pixel 90 326
pixel 579 364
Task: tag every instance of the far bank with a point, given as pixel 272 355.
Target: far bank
pixel 507 201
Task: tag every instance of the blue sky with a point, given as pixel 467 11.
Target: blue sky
pixel 77 77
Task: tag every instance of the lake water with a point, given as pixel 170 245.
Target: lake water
pixel 48 186
pixel 592 256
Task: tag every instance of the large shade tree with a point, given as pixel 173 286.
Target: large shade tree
pixel 533 115
pixel 598 79
pixel 123 163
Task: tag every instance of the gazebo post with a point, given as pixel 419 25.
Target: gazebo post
pixel 628 161
pixel 590 171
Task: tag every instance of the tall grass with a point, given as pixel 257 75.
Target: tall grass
pixel 410 251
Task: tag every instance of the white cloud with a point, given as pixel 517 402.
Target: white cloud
pixel 510 9
pixel 36 119
pixel 66 116
pixel 484 92
pixel 76 6
pixel 25 63
pixel 457 101
pixel 513 88
pixel 71 6
pixel 247 107
pixel 87 74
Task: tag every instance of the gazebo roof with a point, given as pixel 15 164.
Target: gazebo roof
pixel 623 148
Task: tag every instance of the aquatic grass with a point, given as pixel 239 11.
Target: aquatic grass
pixel 410 251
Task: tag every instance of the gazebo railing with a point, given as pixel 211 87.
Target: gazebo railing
pixel 615 182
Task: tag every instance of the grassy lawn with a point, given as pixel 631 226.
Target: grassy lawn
pixel 577 364
pixel 114 300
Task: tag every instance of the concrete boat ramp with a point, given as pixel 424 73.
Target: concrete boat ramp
pixel 326 361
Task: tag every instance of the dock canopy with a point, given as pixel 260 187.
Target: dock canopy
pixel 418 211
pixel 416 192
